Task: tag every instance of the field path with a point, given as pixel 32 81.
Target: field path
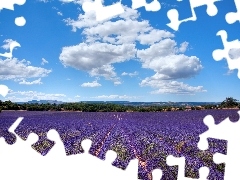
pixel 142 163
pixel 104 139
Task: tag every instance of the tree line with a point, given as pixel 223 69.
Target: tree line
pixel 229 102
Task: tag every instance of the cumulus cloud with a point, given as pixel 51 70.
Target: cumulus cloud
pixel 113 41
pixel 153 36
pixel 97 58
pixel 183 47
pixel 83 21
pixel 91 84
pixel 169 86
pixel 38 81
pixel 16 69
pixel 169 65
pixel 86 57
pixel 107 71
pixel 106 43
pixel 163 59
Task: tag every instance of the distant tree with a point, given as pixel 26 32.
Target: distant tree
pixel 181 109
pixel 1 103
pixel 229 102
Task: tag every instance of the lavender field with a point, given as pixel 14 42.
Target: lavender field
pixel 149 136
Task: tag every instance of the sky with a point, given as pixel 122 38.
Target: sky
pixel 65 54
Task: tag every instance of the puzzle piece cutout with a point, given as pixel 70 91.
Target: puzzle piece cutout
pixel 13 155
pixel 20 161
pixel 180 161
pixel 3 90
pixel 5 123
pixel 173 14
pixel 232 136
pixel 232 17
pixel 103 169
pixel 153 6
pixel 53 165
pixel 103 12
pixel 219 54
pixel 9 4
pixel 56 165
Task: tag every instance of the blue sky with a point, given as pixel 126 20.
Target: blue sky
pixel 67 55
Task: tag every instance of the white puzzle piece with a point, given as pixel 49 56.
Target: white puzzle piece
pixel 232 17
pixel 3 90
pixel 180 161
pixel 219 54
pixel 173 14
pixel 103 12
pixel 229 131
pixel 153 6
pixel 20 161
pixel 9 4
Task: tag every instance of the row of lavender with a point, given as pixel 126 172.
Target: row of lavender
pixel 149 137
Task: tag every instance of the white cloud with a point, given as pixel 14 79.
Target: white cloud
pixel 107 71
pixel 169 86
pixel 45 1
pixel 88 56
pixel 163 59
pixel 97 58
pixel 183 47
pixel 115 97
pixel 154 35
pixel 77 96
pixel 44 61
pixel 60 13
pixel 16 69
pixel 23 96
pixel 69 1
pixel 135 73
pixel 229 72
pixel 38 81
pixel 169 66
pixel 234 53
pixel 7 42
pixel 84 20
pixel 118 32
pixel 117 82
pixel 114 41
pixel 91 84
pixel 102 49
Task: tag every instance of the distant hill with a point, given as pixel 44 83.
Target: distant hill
pixel 128 103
